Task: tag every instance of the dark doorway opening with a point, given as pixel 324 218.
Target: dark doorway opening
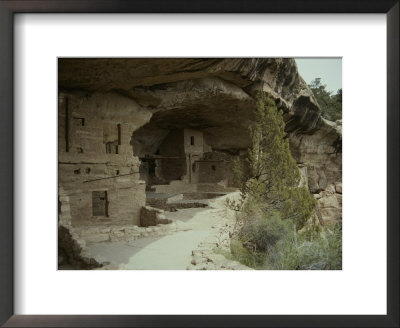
pixel 99 203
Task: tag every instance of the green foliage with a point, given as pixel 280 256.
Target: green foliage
pixel 272 244
pixel 331 105
pixel 270 175
pixel 312 228
pixel 324 252
pixel 242 254
pixel 260 229
pixel 273 208
pixel 298 206
pixel 272 167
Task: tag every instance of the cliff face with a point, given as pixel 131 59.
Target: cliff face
pixel 216 97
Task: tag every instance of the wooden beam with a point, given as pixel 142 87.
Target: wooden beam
pixel 210 161
pixel 161 157
pixel 114 176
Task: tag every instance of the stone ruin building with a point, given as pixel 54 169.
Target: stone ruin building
pixel 139 136
pixel 97 169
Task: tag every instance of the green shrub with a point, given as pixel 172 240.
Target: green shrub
pixel 265 241
pixel 283 256
pixel 269 175
pixel 263 230
pixel 273 208
pixel 324 252
pixel 330 104
pixel 242 254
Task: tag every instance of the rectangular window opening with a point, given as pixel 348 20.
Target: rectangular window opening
pixel 119 134
pixel 79 121
pixel 192 140
pixel 99 203
pixel 112 147
pixel 66 125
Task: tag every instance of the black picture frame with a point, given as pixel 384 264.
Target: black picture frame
pixel 10 7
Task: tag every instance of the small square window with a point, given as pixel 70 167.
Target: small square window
pixel 79 121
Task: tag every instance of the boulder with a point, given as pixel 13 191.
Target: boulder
pixel 330 189
pixel 329 208
pixel 329 201
pixel 150 216
pixel 72 252
pixel 338 186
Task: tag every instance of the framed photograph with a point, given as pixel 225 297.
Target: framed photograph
pixel 171 163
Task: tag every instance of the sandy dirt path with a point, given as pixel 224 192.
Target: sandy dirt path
pixel 170 252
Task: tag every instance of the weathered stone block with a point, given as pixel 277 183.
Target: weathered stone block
pixel 338 186
pixel 330 201
pixel 330 189
pixel 150 216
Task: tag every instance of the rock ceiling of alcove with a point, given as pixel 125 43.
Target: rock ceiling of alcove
pixel 194 92
pixel 104 74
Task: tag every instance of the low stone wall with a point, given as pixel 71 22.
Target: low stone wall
pixel 157 202
pixel 181 187
pixel 175 187
pixel 210 253
pixel 102 234
pixel 198 196
pixel 171 206
pixel 214 187
pixel 150 216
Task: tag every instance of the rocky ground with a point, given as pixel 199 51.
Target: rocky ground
pixel 196 240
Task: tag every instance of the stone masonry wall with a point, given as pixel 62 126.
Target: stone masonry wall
pixel 95 155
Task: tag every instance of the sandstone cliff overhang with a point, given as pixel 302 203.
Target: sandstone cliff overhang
pixel 197 92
